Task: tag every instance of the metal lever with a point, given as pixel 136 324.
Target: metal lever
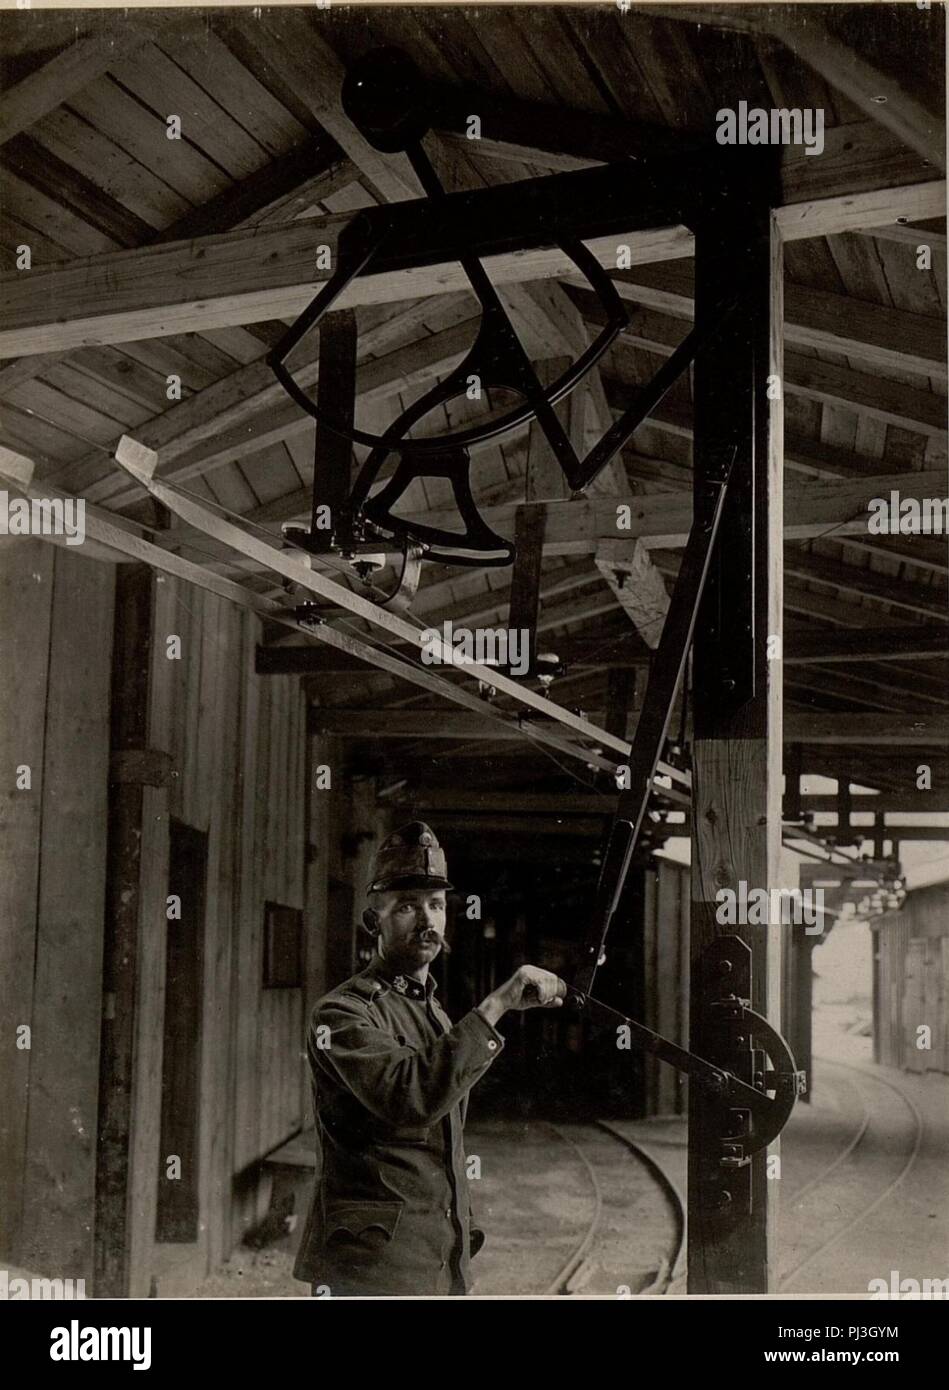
pixel 664 677
pixel 751 1117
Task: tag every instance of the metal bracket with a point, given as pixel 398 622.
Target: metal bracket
pixel 385 97
pixel 755 1099
pixel 742 1042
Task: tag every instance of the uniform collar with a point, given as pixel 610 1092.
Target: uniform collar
pixel 402 984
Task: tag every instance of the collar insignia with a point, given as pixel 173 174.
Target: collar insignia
pixel 401 984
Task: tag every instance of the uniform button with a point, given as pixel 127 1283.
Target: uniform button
pixel 448 1212
pixel 492 1046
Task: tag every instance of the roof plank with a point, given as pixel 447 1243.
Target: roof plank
pixel 74 68
pixel 877 93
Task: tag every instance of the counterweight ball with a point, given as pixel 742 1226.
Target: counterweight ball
pixel 384 97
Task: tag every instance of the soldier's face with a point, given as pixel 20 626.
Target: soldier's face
pixel 412 925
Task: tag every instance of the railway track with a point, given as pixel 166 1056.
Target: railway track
pixel 877 1158
pixel 626 1242
pixel 600 1261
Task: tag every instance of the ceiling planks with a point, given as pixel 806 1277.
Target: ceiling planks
pixel 866 372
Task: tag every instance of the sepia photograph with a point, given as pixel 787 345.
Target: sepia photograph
pixel 474 667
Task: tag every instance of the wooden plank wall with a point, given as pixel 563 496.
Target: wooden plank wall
pixel 55 640
pixel 238 747
pixel 666 965
pixel 913 981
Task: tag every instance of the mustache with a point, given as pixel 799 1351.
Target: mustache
pixel 434 939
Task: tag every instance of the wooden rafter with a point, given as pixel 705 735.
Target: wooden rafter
pixel 242 277
pixel 75 67
pixel 269 273
pixel 518 132
pixel 310 171
pixel 583 525
pixel 799 727
pixel 119 540
pixel 878 94
pixel 873 333
pixel 291 46
pixel 802 647
pixel 249 409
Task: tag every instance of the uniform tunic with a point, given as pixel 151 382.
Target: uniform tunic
pixel 391 1075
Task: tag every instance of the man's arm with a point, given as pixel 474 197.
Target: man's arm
pixel 398 1083
pixel 420 1085
pixel 528 988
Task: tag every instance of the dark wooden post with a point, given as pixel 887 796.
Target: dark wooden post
pixel 620 697
pixel 736 817
pixel 131 662
pixel 793 767
pixel 800 1037
pixel 524 608
pixel 844 832
pixel 335 396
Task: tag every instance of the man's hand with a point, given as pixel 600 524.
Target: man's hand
pixel 528 988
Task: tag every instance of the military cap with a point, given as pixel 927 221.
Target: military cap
pixel 410 858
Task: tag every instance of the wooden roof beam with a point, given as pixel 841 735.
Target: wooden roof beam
pixel 243 277
pixel 799 727
pixel 877 335
pixel 662 521
pixel 909 236
pixel 883 97
pixel 290 45
pixel 312 170
pixel 895 644
pixel 118 539
pixel 268 273
pixel 535 133
pixel 190 445
pixel 87 58
pixel 912 408
pixel 519 130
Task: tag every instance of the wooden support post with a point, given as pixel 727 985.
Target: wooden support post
pixel 844 832
pixel 736 776
pixel 336 396
pixel 800 1036
pixel 620 695
pixel 794 762
pixel 131 659
pixel 524 608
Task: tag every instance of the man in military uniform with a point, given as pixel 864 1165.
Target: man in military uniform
pixel 391 1075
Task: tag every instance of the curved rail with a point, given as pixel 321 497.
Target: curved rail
pixel 670 1268
pixel 881 1197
